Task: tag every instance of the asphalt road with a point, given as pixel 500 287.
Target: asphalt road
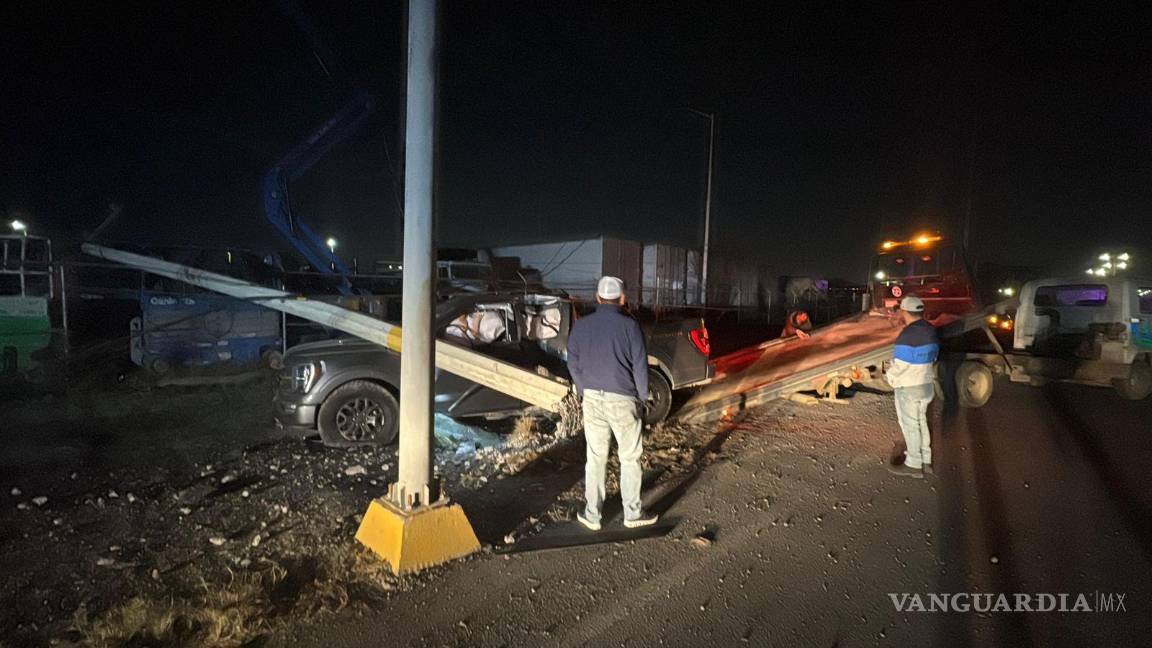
pixel 1041 491
pixel 1053 483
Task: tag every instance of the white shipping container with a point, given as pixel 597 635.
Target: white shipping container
pixel 653 274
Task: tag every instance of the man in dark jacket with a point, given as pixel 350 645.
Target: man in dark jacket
pixel 609 365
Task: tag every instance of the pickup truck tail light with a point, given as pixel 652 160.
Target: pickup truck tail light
pixel 699 339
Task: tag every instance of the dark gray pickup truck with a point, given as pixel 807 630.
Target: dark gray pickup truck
pixel 347 388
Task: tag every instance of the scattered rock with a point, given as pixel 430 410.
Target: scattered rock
pixel 510 538
pixel 113 494
pixel 40 500
pixel 217 541
pixel 256 540
pixel 355 470
pixel 995 560
pixel 22 506
pixel 230 477
pixel 184 510
pixel 131 498
pixel 105 562
pixel 16 492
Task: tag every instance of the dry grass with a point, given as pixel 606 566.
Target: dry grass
pixel 525 432
pixel 228 615
pixel 246 606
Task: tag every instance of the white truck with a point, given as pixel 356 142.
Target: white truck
pixel 1092 331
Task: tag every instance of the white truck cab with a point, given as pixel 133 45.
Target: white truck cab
pixel 1103 318
pixel 1085 330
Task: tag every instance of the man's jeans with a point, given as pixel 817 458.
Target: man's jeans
pixel 912 412
pixel 606 414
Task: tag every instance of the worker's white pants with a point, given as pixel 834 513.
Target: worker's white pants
pixel 912 412
pixel 606 414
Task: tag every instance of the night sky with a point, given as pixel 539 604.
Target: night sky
pixel 837 124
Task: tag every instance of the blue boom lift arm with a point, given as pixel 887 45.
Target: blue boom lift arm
pixel 291 167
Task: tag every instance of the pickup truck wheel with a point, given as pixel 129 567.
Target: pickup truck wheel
pixel 659 398
pixel 973 384
pixel 1138 384
pixel 359 413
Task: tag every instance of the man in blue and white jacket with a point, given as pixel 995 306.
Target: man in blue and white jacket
pixel 912 375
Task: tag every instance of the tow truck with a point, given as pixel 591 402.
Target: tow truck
pixel 1096 332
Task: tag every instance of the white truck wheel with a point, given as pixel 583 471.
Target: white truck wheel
pixel 973 383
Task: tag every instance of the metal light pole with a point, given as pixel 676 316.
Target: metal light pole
pixel 414 487
pixel 415 526
pixel 711 117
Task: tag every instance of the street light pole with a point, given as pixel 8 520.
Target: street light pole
pixel 414 487
pixel 711 117
pixel 415 526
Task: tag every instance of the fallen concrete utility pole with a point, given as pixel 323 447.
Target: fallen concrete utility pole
pixel 845 352
pixel 528 386
pixel 820 379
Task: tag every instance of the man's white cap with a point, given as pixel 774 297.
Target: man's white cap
pixel 912 304
pixel 610 288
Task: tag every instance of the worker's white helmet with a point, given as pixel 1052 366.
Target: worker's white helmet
pixel 912 304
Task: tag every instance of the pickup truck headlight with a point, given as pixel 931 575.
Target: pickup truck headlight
pixel 304 376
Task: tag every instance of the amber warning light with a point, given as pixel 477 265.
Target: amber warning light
pixel 919 240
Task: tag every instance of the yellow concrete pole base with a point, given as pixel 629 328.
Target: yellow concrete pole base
pixel 413 540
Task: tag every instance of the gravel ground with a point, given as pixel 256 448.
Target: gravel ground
pixel 186 527
pixel 789 533
pixel 179 515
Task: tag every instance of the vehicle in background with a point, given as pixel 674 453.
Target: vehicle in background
pixel 27 288
pixel 182 326
pixel 347 388
pixel 457 270
pixel 1093 332
pixel 925 266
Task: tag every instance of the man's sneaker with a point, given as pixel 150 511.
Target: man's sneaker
pixel 905 471
pixel 928 469
pixel 594 526
pixel 645 519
